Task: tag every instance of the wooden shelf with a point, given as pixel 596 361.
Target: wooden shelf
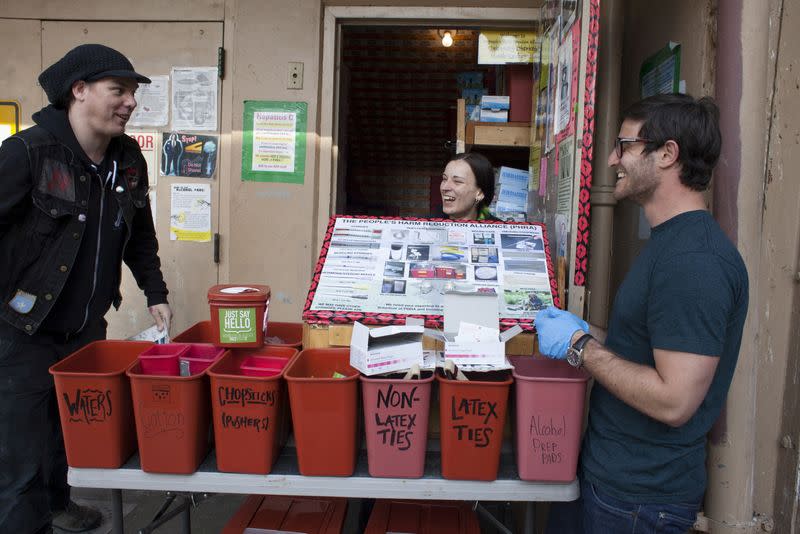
pixel 501 134
pixel 513 134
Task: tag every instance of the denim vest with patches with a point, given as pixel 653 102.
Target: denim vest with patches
pixel 38 253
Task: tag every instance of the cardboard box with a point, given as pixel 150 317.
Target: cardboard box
pixel 476 308
pixel 387 349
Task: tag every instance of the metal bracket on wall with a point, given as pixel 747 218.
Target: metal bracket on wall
pixel 221 62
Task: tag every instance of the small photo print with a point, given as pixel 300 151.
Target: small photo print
pixel 418 252
pixel 525 265
pixel 485 273
pixel 449 253
pixel 525 300
pixel 421 270
pixel 521 242
pixel 484 255
pixel 393 286
pixel 394 269
pixel 483 238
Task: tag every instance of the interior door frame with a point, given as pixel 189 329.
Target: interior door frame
pixel 337 16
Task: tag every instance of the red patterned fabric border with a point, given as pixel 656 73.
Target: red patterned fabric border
pixel 587 148
pixel 431 321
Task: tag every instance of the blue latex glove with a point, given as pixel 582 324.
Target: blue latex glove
pixel 555 329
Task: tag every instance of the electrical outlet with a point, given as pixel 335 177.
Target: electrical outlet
pixel 295 75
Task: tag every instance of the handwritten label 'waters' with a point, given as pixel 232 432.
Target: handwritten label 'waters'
pixel 89 406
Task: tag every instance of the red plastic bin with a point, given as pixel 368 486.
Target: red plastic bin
pixel 94 403
pixel 200 356
pixel 550 398
pixel 396 425
pixel 423 517
pixel 324 411
pixel 251 414
pixel 239 314
pixel 276 513
pixel 163 359
pixel 472 415
pixel 262 365
pixel 173 419
pixel 290 333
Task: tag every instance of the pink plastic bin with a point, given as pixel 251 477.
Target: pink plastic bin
pixel 262 365
pixel 200 356
pixel 550 397
pixel 162 359
pixel 396 424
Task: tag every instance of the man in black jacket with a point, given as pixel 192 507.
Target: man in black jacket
pixel 73 206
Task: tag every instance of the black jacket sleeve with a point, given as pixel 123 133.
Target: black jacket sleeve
pixel 141 253
pixel 15 182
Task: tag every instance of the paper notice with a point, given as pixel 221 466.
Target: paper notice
pixel 190 212
pixel 194 98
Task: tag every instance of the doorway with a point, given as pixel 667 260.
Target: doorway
pixel 336 157
pixel 398 90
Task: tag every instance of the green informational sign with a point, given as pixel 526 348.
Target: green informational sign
pixel 237 325
pixel 274 141
pixel 661 72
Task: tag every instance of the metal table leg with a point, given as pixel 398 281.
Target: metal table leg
pixel 116 512
pixel 529 526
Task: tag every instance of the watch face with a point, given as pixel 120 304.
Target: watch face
pixel 573 357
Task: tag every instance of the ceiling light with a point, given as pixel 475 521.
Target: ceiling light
pixel 447 37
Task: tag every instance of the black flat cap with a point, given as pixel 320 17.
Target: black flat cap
pixel 88 62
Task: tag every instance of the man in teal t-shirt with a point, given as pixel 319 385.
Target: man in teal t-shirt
pixel 663 372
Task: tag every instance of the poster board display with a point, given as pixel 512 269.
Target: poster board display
pixel 381 270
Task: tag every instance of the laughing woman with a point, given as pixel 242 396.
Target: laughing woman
pixel 467 188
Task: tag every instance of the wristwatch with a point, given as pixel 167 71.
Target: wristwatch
pixel 575 352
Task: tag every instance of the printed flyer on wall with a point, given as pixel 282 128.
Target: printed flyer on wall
pixel 383 267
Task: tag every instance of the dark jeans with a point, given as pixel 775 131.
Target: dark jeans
pixel 33 464
pixel 598 513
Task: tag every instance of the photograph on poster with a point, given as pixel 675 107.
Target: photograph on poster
pixel 417 252
pixel 525 265
pixel 394 269
pixel 484 255
pixel 448 253
pixel 526 299
pixel 485 272
pixel 393 286
pixel 521 242
pixel 483 238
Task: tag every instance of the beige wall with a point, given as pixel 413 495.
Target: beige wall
pixel 429 3
pixel 179 10
pixel 268 237
pixel 648 27
pixel 778 305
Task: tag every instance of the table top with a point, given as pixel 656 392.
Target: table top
pixel 285 480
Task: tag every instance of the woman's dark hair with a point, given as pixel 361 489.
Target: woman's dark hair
pixel 484 174
pixel 692 124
